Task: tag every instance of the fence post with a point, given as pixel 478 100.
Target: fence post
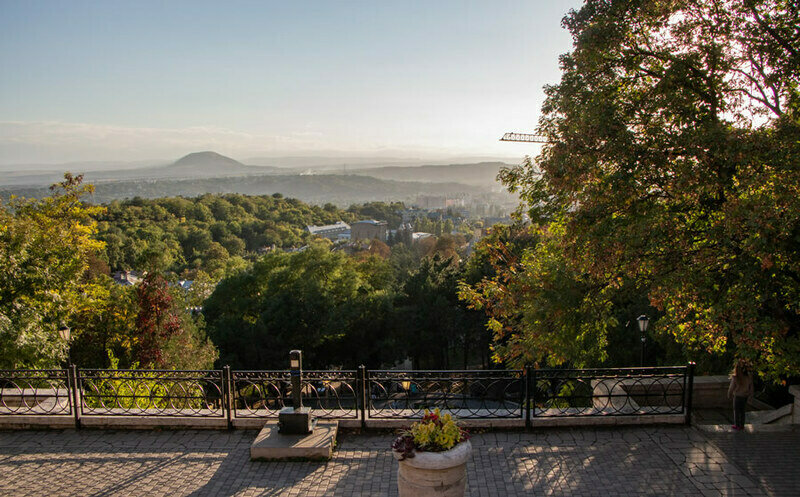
pixel 527 397
pixel 72 377
pixel 227 390
pixel 362 379
pixel 689 392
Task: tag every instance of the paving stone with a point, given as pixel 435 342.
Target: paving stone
pixel 602 461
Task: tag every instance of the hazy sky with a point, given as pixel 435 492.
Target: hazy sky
pixel 133 80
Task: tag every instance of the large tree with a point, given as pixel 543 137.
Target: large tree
pixel 674 164
pixel 438 330
pixel 335 308
pixel 45 247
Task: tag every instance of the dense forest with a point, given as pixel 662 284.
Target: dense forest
pixel 263 284
pixel 214 233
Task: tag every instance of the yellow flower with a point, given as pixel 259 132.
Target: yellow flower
pixel 436 432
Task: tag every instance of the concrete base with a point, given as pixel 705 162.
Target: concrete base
pixel 271 445
pixel 293 421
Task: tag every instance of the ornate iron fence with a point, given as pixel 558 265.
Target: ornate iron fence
pixel 382 394
pixel 608 392
pixel 329 394
pixel 128 392
pixel 466 394
pixel 35 392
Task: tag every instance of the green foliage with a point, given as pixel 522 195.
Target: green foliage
pixel 436 432
pixel 672 168
pixel 434 322
pixel 147 326
pixel 142 390
pixel 333 307
pixel 389 212
pixel 104 322
pixel 44 252
pixel 210 233
pixel 540 310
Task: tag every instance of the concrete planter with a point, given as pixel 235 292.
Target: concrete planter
pixel 434 474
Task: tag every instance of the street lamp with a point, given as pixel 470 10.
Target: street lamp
pixel 643 321
pixel 64 332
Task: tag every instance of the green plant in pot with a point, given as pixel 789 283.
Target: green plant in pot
pixel 433 457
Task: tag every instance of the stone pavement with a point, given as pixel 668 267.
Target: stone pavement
pixel 771 459
pixel 654 460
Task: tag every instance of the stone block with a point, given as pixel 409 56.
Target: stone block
pixel 272 445
pixel 293 421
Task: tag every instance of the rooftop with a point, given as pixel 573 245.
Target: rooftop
pixel 371 221
pixel 328 228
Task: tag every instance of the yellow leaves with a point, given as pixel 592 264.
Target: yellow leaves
pixel 436 432
pixel 494 325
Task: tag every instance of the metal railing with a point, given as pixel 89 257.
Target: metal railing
pixel 607 392
pixel 38 392
pixel 466 394
pixel 330 394
pixel 128 392
pixel 525 394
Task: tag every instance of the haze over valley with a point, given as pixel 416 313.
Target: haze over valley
pixel 319 180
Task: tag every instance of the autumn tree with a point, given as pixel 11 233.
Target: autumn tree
pixel 674 165
pixel 165 334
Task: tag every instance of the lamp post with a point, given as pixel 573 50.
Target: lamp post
pixel 64 332
pixel 643 321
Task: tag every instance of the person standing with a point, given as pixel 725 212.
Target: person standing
pixel 740 390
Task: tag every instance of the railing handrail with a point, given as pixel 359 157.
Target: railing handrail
pixel 527 393
pixel 151 370
pixel 447 370
pixel 32 370
pixel 637 368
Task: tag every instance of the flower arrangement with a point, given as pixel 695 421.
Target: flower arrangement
pixel 436 432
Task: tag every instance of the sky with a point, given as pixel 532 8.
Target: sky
pixel 132 81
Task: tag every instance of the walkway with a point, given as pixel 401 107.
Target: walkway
pixel 667 460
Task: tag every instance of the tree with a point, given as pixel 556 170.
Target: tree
pixel 44 251
pixel 673 163
pixel 105 319
pixel 436 325
pixel 541 311
pixel 165 334
pixel 333 307
pixel 377 247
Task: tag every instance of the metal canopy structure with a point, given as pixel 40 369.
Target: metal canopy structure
pixel 524 137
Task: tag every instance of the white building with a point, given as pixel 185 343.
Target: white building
pixel 331 231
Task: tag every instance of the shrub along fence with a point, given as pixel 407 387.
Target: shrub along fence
pixel 523 394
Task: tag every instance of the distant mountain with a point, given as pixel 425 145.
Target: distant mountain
pixel 195 165
pixel 481 174
pixel 316 189
pixel 211 162
pixel 341 163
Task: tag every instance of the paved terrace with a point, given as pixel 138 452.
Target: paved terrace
pixel 655 460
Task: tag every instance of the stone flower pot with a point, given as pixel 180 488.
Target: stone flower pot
pixel 439 474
